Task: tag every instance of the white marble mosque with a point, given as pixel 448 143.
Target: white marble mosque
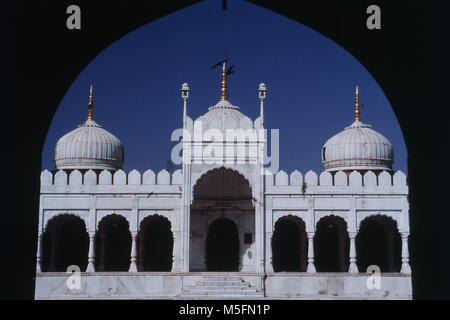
pixel 223 226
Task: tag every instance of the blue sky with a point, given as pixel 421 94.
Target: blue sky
pixel 310 79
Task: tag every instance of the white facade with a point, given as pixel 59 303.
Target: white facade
pixel 308 198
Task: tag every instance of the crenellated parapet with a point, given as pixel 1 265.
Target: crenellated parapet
pixel 106 181
pixel 310 182
pixel 340 182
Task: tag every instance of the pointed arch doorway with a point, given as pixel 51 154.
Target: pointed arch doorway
pixel 222 246
pixel 222 223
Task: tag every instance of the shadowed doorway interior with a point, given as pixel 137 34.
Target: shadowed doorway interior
pixel 155 249
pixel 222 246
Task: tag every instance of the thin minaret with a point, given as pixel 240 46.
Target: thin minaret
pixel 91 105
pixel 262 95
pixel 224 83
pixel 357 117
pixel 184 95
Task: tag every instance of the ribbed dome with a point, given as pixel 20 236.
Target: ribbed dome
pixel 224 116
pixel 358 147
pixel 89 147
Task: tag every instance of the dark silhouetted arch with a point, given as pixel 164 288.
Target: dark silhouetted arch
pixel 113 244
pixel 222 246
pixel 155 248
pixel 331 245
pixel 65 242
pixel 289 245
pixel 378 243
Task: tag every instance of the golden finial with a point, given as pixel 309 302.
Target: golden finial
pixel 91 104
pixel 357 118
pixel 224 83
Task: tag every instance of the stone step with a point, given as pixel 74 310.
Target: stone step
pixel 222 293
pixel 221 283
pixel 195 297
pixel 206 287
pixel 222 278
pixel 219 289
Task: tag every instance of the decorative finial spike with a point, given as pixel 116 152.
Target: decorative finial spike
pixel 224 83
pixel 91 104
pixel 357 115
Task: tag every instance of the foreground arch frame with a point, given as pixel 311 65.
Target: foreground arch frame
pixel 311 258
pixel 103 32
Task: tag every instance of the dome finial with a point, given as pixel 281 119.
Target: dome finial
pixel 357 117
pixel 91 104
pixel 224 82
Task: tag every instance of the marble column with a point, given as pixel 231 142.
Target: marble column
pixel 133 265
pixel 311 268
pixel 91 255
pixel 405 254
pixel 353 268
pixel 39 253
pixel 269 258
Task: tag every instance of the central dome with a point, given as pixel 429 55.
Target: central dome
pixel 224 116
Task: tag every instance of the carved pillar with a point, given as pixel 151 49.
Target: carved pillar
pixel 133 265
pixel 259 237
pixel 91 255
pixel 39 253
pixel 186 213
pixel 311 268
pixel 176 266
pixel 405 254
pixel 269 257
pixel 353 268
pixel 268 225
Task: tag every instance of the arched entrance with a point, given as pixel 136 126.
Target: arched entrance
pixel 155 246
pixel 222 223
pixel 65 243
pixel 222 246
pixel 289 245
pixel 331 245
pixel 378 243
pixel 113 244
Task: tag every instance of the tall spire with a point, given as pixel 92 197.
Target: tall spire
pixel 224 82
pixel 91 105
pixel 357 117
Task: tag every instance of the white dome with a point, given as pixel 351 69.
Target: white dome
pixel 89 147
pixel 224 116
pixel 358 147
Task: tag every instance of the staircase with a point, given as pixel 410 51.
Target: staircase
pixel 221 287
